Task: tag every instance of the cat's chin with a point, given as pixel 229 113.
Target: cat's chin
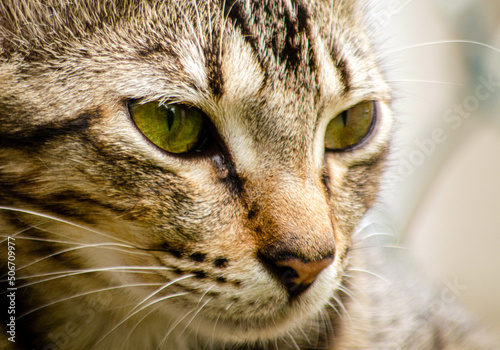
pixel 249 331
pixel 240 329
pixel 267 324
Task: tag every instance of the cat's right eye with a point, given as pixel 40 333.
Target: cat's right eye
pixel 351 127
pixel 174 128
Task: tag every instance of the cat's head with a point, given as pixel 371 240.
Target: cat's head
pixel 237 195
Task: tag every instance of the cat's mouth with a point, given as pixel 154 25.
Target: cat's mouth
pixel 269 325
pixel 247 300
pixel 260 316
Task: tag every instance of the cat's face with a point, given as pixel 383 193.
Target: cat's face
pixel 217 226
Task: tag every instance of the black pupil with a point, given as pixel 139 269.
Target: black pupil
pixel 170 118
pixel 344 118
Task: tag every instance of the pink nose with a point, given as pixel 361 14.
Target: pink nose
pixel 297 275
pixel 306 271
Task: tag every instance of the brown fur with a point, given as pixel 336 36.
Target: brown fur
pixel 89 197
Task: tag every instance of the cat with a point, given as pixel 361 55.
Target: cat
pixel 190 175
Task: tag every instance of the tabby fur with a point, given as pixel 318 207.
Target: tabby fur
pixel 122 246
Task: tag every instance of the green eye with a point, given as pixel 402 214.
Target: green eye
pixel 172 127
pixel 350 127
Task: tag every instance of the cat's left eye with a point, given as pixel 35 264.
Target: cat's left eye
pixel 174 128
pixel 350 127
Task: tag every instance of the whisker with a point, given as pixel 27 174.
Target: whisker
pixel 14 235
pixel 306 338
pixel 385 234
pixel 227 307
pixel 328 324
pixel 196 314
pixel 112 268
pixel 179 320
pixel 380 246
pixel 69 273
pixel 24 211
pixel 216 323
pixel 431 43
pixel 215 326
pixel 131 314
pixel 136 312
pixel 276 344
pixel 96 245
pixel 345 274
pixel 360 229
pixel 294 343
pixel 139 322
pixel 342 306
pixel 337 312
pixel 45 239
pixel 39 228
pixel 425 82
pixel 322 327
pixel 349 293
pixel 159 290
pixel 88 293
pixel 370 273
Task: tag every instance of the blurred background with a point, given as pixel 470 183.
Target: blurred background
pixel 443 190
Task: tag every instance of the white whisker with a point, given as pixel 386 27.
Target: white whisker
pixel 425 82
pixel 328 323
pixel 139 310
pixel 342 306
pixel 431 43
pixel 349 293
pixel 384 234
pixel 360 229
pixel 46 240
pixel 337 312
pixel 379 246
pixel 213 330
pixel 370 273
pixel 179 320
pixel 88 293
pixel 196 314
pixel 14 235
pixel 96 245
pixel 301 329
pixel 139 322
pixel 159 290
pixel 293 340
pixel 53 218
pixel 69 273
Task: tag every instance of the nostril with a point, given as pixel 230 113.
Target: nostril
pixel 288 276
pixel 292 281
pixel 306 271
pixel 295 273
